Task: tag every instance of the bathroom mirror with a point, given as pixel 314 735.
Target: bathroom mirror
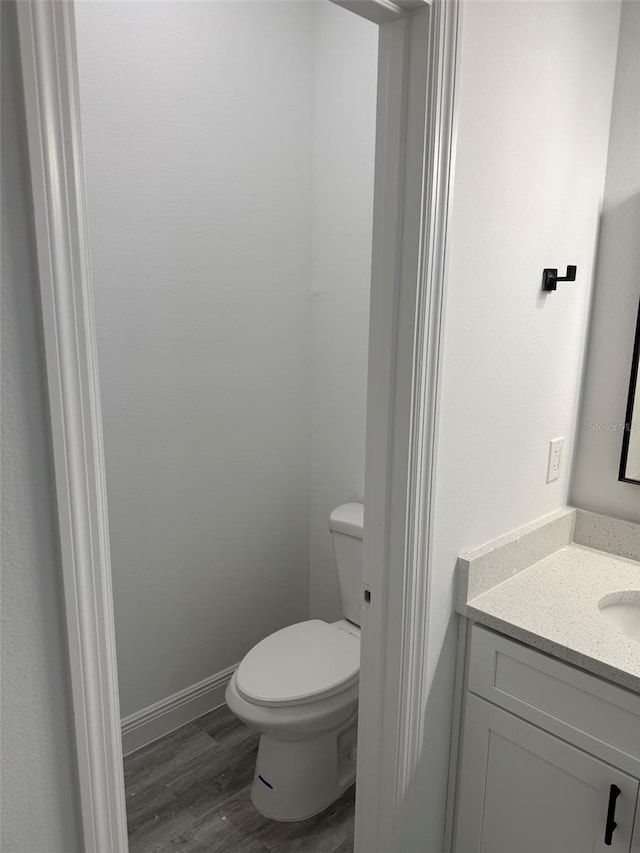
pixel 630 459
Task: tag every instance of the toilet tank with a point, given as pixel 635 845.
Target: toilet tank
pixel 346 525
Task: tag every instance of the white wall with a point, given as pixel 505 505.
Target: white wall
pixel 229 154
pixel 37 781
pixel 534 101
pixel 615 303
pixel 344 107
pixel 197 130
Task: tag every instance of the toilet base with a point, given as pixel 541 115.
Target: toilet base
pixel 295 780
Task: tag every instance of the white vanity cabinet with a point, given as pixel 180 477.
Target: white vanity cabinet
pixel 526 791
pixel 550 759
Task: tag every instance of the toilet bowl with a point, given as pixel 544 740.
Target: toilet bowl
pixel 298 688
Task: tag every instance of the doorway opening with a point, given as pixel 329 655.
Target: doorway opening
pixel 416 64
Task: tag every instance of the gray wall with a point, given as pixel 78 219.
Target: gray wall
pixel 229 158
pixel 39 797
pixel 197 136
pixel 615 302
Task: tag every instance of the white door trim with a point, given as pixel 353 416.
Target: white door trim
pixel 413 170
pixel 414 131
pixel 47 43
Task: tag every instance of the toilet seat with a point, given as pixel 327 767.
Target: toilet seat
pixel 302 663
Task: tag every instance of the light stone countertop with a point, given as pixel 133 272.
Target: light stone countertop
pixel 553 605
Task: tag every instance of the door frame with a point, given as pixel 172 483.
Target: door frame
pixel 414 135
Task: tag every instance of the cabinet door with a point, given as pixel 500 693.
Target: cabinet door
pixel 522 790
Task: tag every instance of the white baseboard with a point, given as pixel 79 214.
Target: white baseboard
pixel 168 714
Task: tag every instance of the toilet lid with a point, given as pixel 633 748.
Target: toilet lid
pixel 301 663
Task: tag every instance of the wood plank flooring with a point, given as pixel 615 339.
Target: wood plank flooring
pixel 189 792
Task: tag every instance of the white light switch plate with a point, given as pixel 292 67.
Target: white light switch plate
pixel 554 466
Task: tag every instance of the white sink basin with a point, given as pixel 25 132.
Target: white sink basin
pixel 622 610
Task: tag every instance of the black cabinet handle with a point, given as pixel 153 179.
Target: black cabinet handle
pixel 614 793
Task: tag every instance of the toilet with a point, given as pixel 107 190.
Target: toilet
pixel 299 689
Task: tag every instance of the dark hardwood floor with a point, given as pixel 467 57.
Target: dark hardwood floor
pixel 189 792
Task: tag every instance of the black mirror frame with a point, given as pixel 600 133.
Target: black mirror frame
pixel 630 406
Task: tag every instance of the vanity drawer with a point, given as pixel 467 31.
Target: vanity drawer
pixel 585 710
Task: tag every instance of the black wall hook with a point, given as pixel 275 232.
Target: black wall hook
pixel 550 277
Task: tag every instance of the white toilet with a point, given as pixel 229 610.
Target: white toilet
pixel 299 689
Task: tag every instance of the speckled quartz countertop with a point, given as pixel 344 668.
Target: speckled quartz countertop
pixel 553 605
